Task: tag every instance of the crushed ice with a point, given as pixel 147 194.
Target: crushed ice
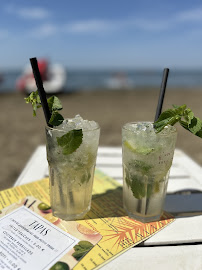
pixel 77 123
pixel 147 127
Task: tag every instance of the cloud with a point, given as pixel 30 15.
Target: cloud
pixel 35 13
pixel 77 27
pixel 151 25
pixel 192 15
pixel 95 26
pixel 90 26
pixel 45 30
pixel 103 26
pixel 100 26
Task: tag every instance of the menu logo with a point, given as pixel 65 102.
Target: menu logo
pixel 39 228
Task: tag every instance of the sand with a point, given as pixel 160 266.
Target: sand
pixel 21 133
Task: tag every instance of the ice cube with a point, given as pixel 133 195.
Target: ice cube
pixel 93 124
pixel 77 123
pixel 67 125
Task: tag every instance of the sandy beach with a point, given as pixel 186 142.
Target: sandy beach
pixel 21 133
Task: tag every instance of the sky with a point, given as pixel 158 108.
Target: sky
pixel 102 34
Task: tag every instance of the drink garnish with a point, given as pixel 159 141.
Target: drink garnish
pixel 180 114
pixel 138 150
pixel 72 139
pixel 137 182
pixel 54 106
pixel 35 101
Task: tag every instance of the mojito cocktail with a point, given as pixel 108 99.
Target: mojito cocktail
pixel 147 158
pixel 71 174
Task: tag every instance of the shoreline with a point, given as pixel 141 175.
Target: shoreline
pixel 21 133
pixel 99 89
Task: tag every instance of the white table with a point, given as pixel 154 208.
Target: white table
pixel 178 246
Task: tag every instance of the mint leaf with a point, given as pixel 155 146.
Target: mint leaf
pixel 85 178
pixel 127 177
pixel 35 101
pixel 191 123
pixel 56 119
pixel 159 125
pixel 70 141
pixel 180 109
pixel 141 166
pixel 180 114
pixel 199 133
pixel 188 115
pixel 184 124
pixel 166 114
pixel 138 187
pixel 192 128
pixel 171 117
pixel 54 104
pixel 195 125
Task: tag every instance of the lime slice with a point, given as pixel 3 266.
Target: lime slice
pixel 138 150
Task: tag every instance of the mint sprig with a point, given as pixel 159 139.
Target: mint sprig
pixel 182 115
pixel 54 106
pixel 72 139
pixel 34 100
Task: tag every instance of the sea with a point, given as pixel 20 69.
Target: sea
pixel 85 80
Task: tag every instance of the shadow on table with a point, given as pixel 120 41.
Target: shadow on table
pixel 109 204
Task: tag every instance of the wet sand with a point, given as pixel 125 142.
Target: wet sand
pixel 21 133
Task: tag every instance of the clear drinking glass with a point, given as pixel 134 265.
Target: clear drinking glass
pixel 147 158
pixel 71 176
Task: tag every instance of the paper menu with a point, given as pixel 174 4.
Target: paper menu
pixel 85 236
pixel 118 230
pixel 106 217
pixel 28 241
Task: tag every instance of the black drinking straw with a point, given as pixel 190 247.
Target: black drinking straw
pixel 162 93
pixel 46 110
pixel 40 88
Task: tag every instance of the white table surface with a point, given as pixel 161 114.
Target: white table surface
pixel 179 245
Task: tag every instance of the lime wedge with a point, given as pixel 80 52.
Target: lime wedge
pixel 138 150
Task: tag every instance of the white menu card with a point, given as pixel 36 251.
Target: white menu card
pixel 28 241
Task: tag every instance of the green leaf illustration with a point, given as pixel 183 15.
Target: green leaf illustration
pixel 81 249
